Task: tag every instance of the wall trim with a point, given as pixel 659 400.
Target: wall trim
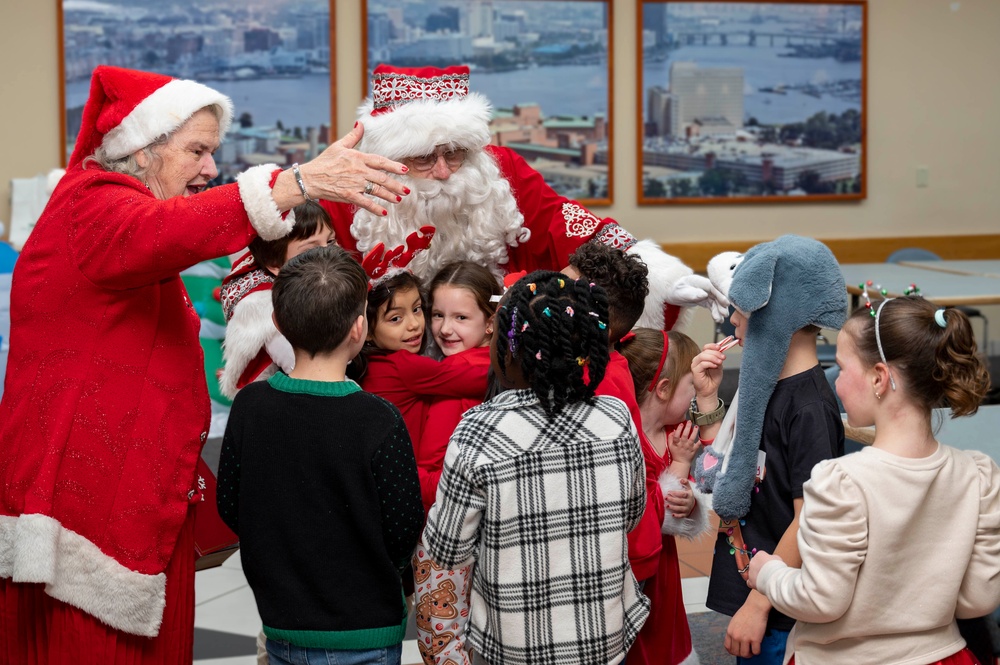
pixel 851 250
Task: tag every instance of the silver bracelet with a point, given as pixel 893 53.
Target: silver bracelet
pixel 298 179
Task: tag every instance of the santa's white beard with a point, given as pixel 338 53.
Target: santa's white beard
pixel 473 211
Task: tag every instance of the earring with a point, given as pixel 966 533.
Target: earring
pixel 879 396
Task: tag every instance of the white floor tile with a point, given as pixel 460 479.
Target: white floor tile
pixel 234 612
pixel 239 660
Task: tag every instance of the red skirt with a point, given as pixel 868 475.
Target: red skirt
pixel 963 657
pixel 36 629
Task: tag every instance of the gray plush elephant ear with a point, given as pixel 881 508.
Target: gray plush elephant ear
pixel 751 286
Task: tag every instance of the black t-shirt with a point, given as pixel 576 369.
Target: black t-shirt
pixel 802 426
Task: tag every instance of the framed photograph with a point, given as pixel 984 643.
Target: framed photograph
pixel 752 101
pixel 545 65
pixel 272 59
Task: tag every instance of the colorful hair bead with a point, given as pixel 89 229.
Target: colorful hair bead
pixel 569 310
pixel 562 283
pixel 532 287
pixel 601 324
pixel 538 355
pixel 511 334
pixel 546 312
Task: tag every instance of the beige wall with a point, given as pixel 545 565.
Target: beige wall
pixel 933 100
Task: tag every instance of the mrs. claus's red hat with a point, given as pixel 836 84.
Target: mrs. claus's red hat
pixel 412 110
pixel 128 109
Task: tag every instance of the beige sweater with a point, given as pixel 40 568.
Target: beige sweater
pixel 893 549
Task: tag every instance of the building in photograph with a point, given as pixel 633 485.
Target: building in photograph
pixel 701 101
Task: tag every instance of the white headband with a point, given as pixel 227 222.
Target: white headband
pixel 878 343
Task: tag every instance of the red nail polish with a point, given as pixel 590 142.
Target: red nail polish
pixel 385 212
pixel 398 199
pixel 405 169
pixel 355 125
pixel 406 190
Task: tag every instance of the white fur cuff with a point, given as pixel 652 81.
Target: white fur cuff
pixel 689 527
pixel 255 190
pixel 37 549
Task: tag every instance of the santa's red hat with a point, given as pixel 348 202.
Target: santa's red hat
pixel 412 110
pixel 128 109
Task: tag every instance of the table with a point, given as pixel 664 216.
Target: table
pixel 943 288
pixel 982 268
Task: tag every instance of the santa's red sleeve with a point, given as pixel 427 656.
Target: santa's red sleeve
pixel 559 225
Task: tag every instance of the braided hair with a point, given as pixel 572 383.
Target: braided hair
pixel 556 329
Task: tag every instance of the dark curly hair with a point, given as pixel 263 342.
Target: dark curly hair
pixel 940 366
pixel 555 328
pixel 624 278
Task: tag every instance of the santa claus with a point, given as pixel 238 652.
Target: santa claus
pixel 487 204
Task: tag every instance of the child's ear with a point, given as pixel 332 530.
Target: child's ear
pixel 357 331
pixel 662 389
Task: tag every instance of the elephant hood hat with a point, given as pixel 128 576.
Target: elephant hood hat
pixel 784 285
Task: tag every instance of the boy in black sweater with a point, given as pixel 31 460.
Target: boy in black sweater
pixel 319 480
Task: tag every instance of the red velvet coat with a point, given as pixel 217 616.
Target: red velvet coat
pixel 105 406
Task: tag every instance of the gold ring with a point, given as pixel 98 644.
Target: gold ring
pixel 369 187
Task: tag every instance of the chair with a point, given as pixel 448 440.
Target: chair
pixel 921 254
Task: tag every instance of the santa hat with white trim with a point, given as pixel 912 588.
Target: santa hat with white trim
pixel 128 109
pixel 412 110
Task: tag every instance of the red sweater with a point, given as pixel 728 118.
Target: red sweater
pixel 443 415
pixel 410 381
pixel 644 541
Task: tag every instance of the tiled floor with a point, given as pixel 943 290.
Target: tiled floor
pixel 226 619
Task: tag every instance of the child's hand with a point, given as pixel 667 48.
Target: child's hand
pixel 680 503
pixel 706 371
pixel 756 563
pixel 683 443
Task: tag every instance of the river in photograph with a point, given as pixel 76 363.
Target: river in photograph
pixel 565 90
pixel 765 67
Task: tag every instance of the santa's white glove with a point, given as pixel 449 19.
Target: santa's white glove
pixel 692 290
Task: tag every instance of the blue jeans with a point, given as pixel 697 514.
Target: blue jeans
pixel 772 649
pixel 283 653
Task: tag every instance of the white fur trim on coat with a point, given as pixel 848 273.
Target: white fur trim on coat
pixel 689 527
pixel 664 272
pixel 163 111
pixel 418 127
pixel 250 330
pixel 37 549
pixel 255 190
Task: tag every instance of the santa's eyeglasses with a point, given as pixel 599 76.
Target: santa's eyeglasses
pixel 453 158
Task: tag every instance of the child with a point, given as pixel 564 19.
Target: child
pixel 668 373
pixel 786 420
pixel 899 538
pixel 461 324
pixel 540 486
pixel 623 277
pixel 318 479
pixel 254 349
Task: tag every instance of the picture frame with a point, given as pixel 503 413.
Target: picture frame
pixel 545 65
pixel 741 101
pixel 274 61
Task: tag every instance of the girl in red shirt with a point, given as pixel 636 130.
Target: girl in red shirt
pixel 668 372
pixel 462 310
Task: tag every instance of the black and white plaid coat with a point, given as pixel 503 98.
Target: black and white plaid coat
pixel 544 506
